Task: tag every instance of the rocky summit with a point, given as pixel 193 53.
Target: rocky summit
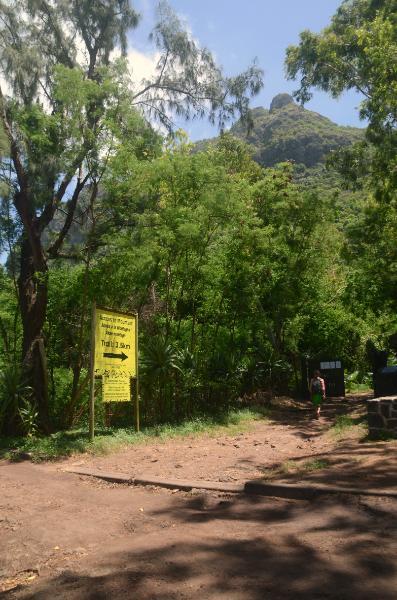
pixel 289 132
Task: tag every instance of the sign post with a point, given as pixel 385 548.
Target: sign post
pixel 137 425
pixel 114 357
pixel 92 374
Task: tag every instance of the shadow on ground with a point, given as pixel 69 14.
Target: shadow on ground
pixel 331 549
pixel 251 548
pixel 358 463
pixel 299 414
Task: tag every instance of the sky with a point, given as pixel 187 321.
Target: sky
pixel 237 32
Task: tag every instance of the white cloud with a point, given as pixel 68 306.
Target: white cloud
pixel 142 66
pixel 5 87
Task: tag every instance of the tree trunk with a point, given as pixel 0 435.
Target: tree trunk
pixel 33 294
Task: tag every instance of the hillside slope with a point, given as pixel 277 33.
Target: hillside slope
pixel 290 132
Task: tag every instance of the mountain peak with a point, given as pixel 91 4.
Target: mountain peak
pixel 289 132
pixel 281 100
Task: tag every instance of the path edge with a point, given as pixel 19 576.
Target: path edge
pixel 255 487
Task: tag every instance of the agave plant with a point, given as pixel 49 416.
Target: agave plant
pixel 159 364
pixel 160 359
pixel 29 416
pixel 186 360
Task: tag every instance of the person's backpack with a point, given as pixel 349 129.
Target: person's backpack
pixel 316 386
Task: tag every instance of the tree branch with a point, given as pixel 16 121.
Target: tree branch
pixel 354 78
pixel 159 111
pixel 176 90
pixel 49 209
pixel 54 248
pixel 58 33
pixel 21 201
pixel 3 333
pixel 15 154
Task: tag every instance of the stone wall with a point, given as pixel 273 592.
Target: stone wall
pixel 382 416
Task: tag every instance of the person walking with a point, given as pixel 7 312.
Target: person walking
pixel 317 391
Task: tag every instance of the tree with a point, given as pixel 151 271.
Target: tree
pixel 66 105
pixel 231 264
pixel 357 51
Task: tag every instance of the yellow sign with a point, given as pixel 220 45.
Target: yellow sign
pixel 115 345
pixel 116 390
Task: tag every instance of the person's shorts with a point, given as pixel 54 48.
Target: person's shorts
pixel 317 399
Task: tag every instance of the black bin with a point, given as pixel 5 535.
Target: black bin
pixel 332 372
pixel 385 382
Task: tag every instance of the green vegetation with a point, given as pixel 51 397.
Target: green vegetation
pixel 357 51
pixel 345 424
pixel 296 467
pixel 67 443
pixel 237 269
pixel 291 132
pixel 70 106
pixel 316 464
pixel 358 382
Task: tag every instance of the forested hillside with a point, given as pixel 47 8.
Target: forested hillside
pixel 290 132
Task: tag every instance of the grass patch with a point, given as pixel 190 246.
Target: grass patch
pixel 344 425
pixel 307 466
pixel 107 440
pixel 317 464
pixel 296 467
pixel 355 388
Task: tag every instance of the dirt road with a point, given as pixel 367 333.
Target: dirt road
pixel 69 537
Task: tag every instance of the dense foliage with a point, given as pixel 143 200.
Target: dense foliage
pixel 236 269
pixel 358 51
pixel 67 101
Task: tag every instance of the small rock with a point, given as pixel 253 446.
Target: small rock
pixel 272 446
pixel 224 503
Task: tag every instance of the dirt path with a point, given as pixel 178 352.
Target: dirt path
pixel 69 537
pixel 289 446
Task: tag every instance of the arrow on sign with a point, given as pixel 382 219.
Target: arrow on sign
pixel 112 355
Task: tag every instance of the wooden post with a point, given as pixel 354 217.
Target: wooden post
pixel 137 424
pixel 92 374
pixel 108 414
